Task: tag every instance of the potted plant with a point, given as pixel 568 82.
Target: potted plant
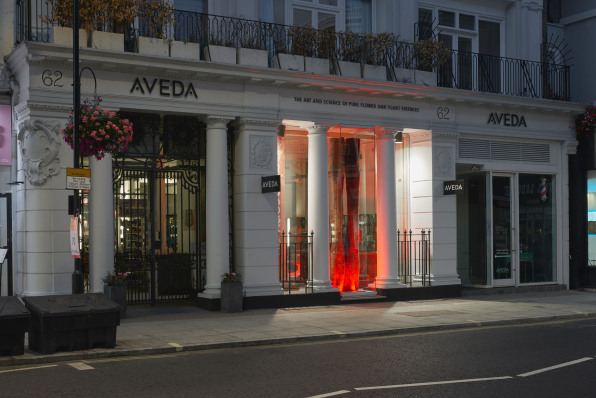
pixel 115 289
pixel 222 39
pixel 429 54
pixel 313 46
pixel 350 52
pixel 231 292
pixel 251 50
pixel 101 131
pixel 155 17
pixel 376 50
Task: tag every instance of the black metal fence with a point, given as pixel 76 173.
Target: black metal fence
pixel 296 262
pixel 160 278
pixel 413 257
pixel 467 71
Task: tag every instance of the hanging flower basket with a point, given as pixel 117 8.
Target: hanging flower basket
pixel 100 130
pixel 585 124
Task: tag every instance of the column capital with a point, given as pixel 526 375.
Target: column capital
pixel 382 133
pixel 314 128
pixel 217 121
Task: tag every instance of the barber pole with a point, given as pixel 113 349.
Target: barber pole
pixel 543 196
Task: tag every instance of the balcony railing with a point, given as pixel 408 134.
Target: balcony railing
pixel 463 70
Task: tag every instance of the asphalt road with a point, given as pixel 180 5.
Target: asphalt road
pixel 555 359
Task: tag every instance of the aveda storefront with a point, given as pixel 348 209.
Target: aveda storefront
pixel 357 161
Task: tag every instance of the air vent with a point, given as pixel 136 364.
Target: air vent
pixel 503 151
pixel 474 149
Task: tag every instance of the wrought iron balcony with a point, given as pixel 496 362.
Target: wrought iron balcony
pixel 460 70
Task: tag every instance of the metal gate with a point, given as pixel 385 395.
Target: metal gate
pixel 159 202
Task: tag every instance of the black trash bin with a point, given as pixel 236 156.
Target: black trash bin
pixel 72 322
pixel 14 322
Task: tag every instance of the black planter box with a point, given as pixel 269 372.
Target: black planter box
pixel 14 322
pixel 72 322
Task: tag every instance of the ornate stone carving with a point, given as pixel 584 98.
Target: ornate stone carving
pixel 39 145
pixel 442 162
pixel 261 151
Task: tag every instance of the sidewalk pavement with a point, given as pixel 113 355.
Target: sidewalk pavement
pixel 169 328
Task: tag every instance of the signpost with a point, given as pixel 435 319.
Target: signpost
pixel 78 178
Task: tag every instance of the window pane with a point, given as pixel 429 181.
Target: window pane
pixel 191 5
pixel 359 16
pixel 467 22
pixel 326 21
pixel 489 38
pixel 472 265
pixel 425 23
pixel 446 18
pixel 537 250
pixel 328 2
pixel 272 11
pixel 302 18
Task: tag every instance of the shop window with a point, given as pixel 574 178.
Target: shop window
pixel 352 203
pixel 352 209
pixel 591 189
pixel 472 243
pixel 537 229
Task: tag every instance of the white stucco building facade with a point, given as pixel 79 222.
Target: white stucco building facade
pixel 482 166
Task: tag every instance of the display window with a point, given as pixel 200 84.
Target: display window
pixel 352 204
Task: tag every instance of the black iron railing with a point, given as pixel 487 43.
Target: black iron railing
pixel 464 70
pixel 413 257
pixel 160 278
pixel 296 262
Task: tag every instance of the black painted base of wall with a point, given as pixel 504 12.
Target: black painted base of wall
pixel 420 293
pixel 278 301
pixel 334 298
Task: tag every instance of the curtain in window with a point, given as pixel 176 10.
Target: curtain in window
pixel 359 16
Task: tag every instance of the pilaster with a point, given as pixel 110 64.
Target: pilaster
pixel 256 213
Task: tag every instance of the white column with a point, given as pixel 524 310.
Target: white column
pixel 101 222
pixel 318 206
pixel 217 219
pixel 387 277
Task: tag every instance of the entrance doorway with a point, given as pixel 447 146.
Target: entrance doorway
pixel 159 203
pixel 506 229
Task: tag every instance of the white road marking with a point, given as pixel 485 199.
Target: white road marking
pixel 80 366
pixel 554 367
pixel 33 368
pixel 331 394
pixel 433 383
